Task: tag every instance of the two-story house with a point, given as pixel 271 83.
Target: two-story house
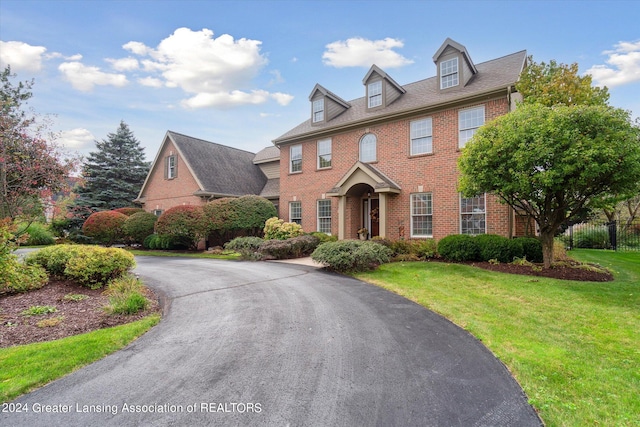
pixel 387 161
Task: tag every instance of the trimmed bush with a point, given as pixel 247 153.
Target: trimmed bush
pixel 277 229
pixel 499 248
pixel 165 242
pixel 412 250
pixel 324 237
pixel 39 235
pixel 105 227
pixel 295 247
pixel 16 277
pixel 129 211
pixel 459 247
pixel 531 248
pixel 351 255
pixel 139 226
pixel 229 218
pixel 245 246
pixel 54 259
pixel 185 224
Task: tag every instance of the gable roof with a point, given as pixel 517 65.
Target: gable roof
pixel 219 170
pixel 375 69
pixel 328 94
pixel 268 154
pixel 460 48
pixel 422 96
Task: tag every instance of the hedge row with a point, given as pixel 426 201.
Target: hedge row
pixel 257 248
pixel 489 247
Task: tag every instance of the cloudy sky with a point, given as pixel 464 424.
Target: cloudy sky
pixel 239 73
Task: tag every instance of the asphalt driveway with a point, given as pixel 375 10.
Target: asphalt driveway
pixel 283 345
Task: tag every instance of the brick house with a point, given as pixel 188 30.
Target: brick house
pixel 387 161
pixel 191 171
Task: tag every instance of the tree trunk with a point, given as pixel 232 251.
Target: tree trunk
pixel 547 248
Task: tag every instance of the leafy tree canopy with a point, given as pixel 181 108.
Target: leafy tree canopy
pixel 558 84
pixel 554 162
pixel 114 173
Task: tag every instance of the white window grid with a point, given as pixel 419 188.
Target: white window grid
pixel 421 136
pixel 368 148
pixel 324 153
pixel 324 216
pixel 171 167
pixel 469 121
pixel 295 212
pixel 375 94
pixel 318 110
pixel 421 215
pixel 449 73
pixel 473 215
pixel 296 158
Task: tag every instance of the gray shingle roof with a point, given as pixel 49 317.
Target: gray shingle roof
pixel 268 154
pixel 271 189
pixel 492 75
pixel 220 169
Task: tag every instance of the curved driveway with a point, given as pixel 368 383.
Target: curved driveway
pixel 283 345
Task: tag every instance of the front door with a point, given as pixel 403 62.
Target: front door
pixel 371 216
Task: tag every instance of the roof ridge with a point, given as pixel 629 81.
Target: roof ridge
pixel 210 142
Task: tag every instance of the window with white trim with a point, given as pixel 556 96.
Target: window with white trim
pixel 295 212
pixel 318 110
pixel 324 153
pixel 421 136
pixel 469 121
pixel 374 94
pixel 171 163
pixel 368 148
pixel 295 162
pixel 421 215
pixel 449 73
pixel 473 215
pixel 324 216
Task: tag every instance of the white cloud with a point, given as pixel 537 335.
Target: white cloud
pixel 359 52
pixel 218 71
pixel 21 56
pixel 124 64
pixel 282 98
pixel 150 82
pixel 623 66
pixel 84 78
pixel 77 139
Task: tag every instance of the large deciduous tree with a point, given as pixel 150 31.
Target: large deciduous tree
pixel 114 174
pixel 32 165
pixel 554 162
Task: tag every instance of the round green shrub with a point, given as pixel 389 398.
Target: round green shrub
pixel 105 227
pixel 139 226
pixel 16 277
pixel 531 248
pixel 499 248
pixel 54 258
pixel 459 247
pixel 96 266
pixel 277 229
pixel 246 246
pixel 185 224
pixel 351 255
pixel 229 217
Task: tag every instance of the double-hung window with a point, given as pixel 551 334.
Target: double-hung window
pixel 324 153
pixel 318 110
pixel 449 73
pixel 324 216
pixel 375 94
pixel 473 215
pixel 421 215
pixel 421 137
pixel 368 148
pixel 295 212
pixel 295 164
pixel 172 165
pixel 469 121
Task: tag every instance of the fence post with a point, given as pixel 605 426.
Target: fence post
pixel 613 234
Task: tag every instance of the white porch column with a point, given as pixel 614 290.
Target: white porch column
pixel 342 212
pixel 382 218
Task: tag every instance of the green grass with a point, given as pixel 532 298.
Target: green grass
pixel 27 367
pixel 573 346
pixel 225 256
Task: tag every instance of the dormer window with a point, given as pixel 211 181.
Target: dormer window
pixel 318 110
pixel 374 94
pixel 449 73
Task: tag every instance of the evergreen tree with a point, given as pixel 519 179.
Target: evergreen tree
pixel 114 174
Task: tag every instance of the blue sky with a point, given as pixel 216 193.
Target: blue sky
pixel 240 73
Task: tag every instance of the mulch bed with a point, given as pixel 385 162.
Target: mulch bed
pixel 566 271
pixel 76 317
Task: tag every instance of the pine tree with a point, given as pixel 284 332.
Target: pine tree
pixel 115 173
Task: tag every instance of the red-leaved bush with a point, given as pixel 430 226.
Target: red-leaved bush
pixel 186 224
pixel 105 227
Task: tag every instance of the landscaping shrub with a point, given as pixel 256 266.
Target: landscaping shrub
pixel 459 247
pixel 425 249
pixel 245 246
pixel 351 255
pixel 38 235
pixel 95 266
pixel 185 224
pixel 592 238
pixel 531 248
pixel 126 296
pixel 139 226
pixel 411 250
pixel 498 248
pixel 129 211
pixel 16 277
pixel 54 259
pixel 324 237
pixel 165 242
pixel 277 229
pixel 229 218
pixel 295 247
pixel 105 227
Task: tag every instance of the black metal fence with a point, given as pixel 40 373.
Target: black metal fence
pixel 614 235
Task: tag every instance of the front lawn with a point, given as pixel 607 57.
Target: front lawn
pixel 573 346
